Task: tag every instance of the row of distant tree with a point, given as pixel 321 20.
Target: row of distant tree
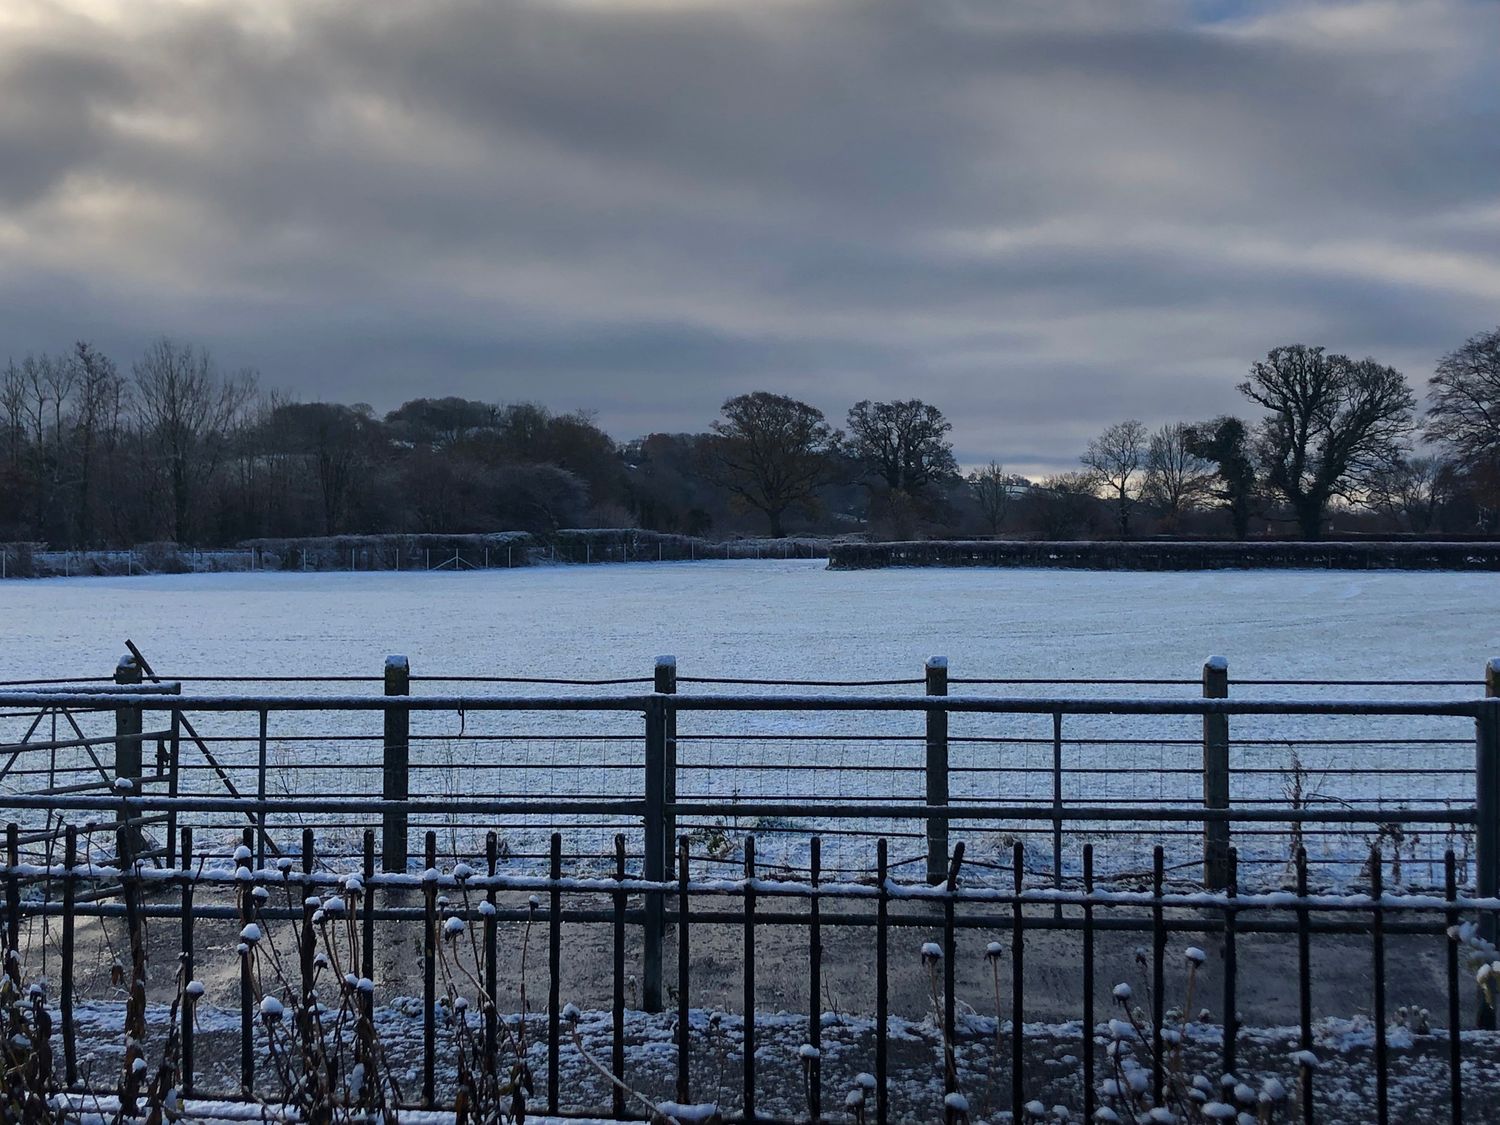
pixel 1337 434
pixel 92 456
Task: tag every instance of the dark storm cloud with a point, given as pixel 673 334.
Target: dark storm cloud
pixel 1041 216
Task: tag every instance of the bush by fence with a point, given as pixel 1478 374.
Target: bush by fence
pixel 1164 555
pixel 498 550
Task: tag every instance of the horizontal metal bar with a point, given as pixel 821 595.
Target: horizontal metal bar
pixel 278 679
pixel 622 681
pixel 1042 920
pixel 329 805
pixel 1081 681
pixel 78 743
pixel 65 680
pixel 1472 708
pixel 911 682
pixel 91 696
pixel 373 703
pixel 806 811
pixel 1357 683
pixel 898 894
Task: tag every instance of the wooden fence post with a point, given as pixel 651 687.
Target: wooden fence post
pixel 1487 813
pixel 665 683
pixel 128 725
pixel 397 783
pixel 654 859
pixel 937 772
pixel 1216 776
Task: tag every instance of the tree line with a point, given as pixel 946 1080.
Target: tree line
pixel 176 449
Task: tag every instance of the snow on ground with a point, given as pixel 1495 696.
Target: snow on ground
pixel 763 619
pixel 1343 1084
pixel 792 620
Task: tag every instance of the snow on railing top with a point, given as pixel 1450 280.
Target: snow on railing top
pixel 82 697
pixel 225 874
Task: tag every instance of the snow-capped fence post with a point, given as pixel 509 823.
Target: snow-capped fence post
pixel 1216 775
pixel 937 772
pixel 1487 811
pixel 128 723
pixel 656 843
pixel 397 763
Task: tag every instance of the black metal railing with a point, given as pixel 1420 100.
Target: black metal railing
pixel 1059 759
pixel 931 958
pixel 1088 812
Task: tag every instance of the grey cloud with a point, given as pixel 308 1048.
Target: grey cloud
pixel 1041 216
pixel 49 118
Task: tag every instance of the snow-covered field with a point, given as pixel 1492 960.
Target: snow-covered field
pixel 763 619
pixel 797 620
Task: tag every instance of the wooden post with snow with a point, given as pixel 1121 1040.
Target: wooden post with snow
pixel 397 762
pixel 1216 776
pixel 128 727
pixel 937 772
pixel 1487 812
pixel 656 847
pixel 664 682
pixel 128 724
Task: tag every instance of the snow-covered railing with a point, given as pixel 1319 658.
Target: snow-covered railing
pixel 676 747
pixel 668 762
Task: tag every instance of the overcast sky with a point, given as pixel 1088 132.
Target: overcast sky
pixel 1040 216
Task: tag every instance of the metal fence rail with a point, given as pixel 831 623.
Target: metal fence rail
pixel 968 936
pixel 783 765
pixel 1068 809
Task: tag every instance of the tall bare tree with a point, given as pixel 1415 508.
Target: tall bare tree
pixel 334 439
pixel 1177 477
pixel 772 452
pixel 991 487
pixel 1465 398
pixel 96 411
pixel 1063 506
pixel 1414 490
pixel 1116 457
pixel 187 414
pixel 13 404
pixel 1333 422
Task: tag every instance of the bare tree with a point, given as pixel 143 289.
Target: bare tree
pixel 96 411
pixel 13 403
pixel 1177 478
pixel 1116 456
pixel 1413 490
pixel 991 488
pixel 1465 395
pixel 905 443
pixel 1333 422
pixel 1064 505
pixel 187 413
pixel 772 452
pixel 41 391
pixel 334 439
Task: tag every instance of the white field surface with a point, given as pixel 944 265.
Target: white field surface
pixel 794 620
